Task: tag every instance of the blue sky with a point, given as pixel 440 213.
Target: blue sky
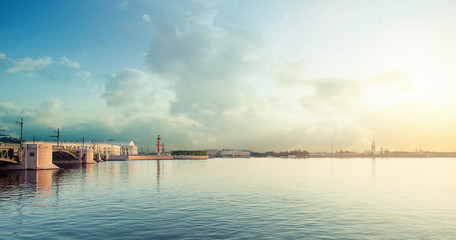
pixel 259 75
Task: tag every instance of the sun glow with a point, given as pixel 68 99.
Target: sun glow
pixel 419 54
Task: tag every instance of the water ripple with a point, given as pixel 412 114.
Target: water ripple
pixel 233 199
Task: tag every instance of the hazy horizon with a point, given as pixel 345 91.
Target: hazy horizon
pixel 257 75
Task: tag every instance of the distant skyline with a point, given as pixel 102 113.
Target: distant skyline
pixel 258 75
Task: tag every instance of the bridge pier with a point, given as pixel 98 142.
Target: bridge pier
pixel 35 157
pixel 86 156
pixel 98 158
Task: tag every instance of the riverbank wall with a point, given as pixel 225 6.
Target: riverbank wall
pixel 190 157
pixel 154 157
pixel 149 157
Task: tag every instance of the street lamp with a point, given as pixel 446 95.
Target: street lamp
pixel 57 136
pixel 22 127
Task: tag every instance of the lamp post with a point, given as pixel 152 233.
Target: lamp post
pixel 22 127
pixel 57 136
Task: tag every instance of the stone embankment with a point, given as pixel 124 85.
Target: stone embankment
pixel 149 157
pixel 155 157
pixel 190 157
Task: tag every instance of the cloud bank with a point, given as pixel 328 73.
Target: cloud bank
pixel 216 74
pixel 229 85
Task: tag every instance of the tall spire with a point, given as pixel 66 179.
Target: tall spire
pixel 373 146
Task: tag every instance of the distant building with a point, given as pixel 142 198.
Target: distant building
pixel 104 148
pixel 241 154
pixel 321 155
pixel 373 150
pixel 126 147
pixel 212 153
pixel 98 147
pixel 234 153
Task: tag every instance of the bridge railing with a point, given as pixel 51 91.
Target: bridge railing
pixel 10 145
pixel 11 152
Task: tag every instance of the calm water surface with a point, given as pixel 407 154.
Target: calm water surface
pixel 257 198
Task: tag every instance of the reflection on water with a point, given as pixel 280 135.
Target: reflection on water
pixel 158 175
pixel 373 171
pixel 18 187
pixel 234 198
pixel 39 182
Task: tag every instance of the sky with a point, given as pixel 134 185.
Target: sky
pixel 242 74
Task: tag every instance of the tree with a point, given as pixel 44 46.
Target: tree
pixel 10 140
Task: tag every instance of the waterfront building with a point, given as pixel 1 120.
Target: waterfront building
pixel 105 148
pixel 126 147
pixel 96 146
pixel 321 155
pixel 241 154
pixel 234 153
pixel 212 153
pixel 373 151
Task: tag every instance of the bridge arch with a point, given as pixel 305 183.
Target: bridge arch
pixel 64 155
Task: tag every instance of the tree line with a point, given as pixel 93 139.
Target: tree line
pixel 9 140
pixel 189 153
pixel 297 153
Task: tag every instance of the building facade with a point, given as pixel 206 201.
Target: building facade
pixel 96 146
pixel 213 153
pixel 230 153
pixel 126 147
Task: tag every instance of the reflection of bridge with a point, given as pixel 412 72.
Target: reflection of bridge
pixel 10 152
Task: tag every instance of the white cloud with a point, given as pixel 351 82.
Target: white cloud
pixel 29 65
pixel 47 114
pixel 67 62
pixel 84 74
pixel 65 69
pixel 50 113
pixel 137 92
pixel 241 86
pixel 146 17
pixel 224 82
pixel 123 5
pixel 4 59
pixel 204 62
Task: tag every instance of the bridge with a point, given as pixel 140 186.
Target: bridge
pixel 42 156
pixel 10 153
pixel 68 152
pixel 64 155
pixel 61 153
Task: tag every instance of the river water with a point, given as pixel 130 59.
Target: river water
pixel 256 198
